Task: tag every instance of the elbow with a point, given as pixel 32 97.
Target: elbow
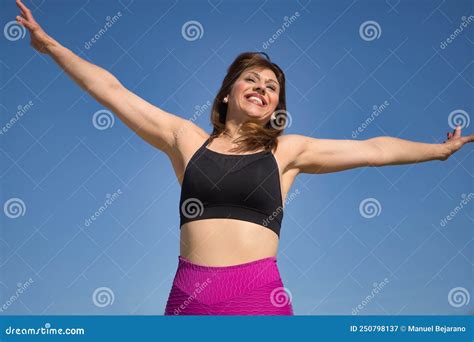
pixel 375 155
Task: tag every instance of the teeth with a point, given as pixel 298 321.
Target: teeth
pixel 256 100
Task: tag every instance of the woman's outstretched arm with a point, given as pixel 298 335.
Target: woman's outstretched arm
pixel 154 125
pixel 331 155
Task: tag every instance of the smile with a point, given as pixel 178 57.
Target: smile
pixel 255 99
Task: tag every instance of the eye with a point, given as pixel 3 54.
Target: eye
pixel 273 88
pixel 250 79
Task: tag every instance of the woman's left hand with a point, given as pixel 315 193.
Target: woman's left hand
pixel 455 141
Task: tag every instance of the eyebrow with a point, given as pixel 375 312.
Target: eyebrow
pixel 258 76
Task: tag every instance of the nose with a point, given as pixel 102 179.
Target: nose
pixel 258 88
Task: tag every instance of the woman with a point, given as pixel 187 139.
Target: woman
pixel 234 181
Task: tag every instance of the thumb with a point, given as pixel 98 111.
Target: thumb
pixel 457 131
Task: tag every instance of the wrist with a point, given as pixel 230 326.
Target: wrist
pixel 442 152
pixel 51 45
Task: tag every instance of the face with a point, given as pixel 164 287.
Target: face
pixel 255 94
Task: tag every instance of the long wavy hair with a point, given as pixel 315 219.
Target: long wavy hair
pixel 253 136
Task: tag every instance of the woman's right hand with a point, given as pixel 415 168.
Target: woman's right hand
pixel 39 39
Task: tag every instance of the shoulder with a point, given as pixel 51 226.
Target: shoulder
pixel 290 146
pixel 188 130
pixel 188 136
pixel 287 139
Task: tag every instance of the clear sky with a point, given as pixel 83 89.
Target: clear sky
pixel 372 237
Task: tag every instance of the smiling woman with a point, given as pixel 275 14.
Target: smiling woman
pixel 253 90
pixel 233 193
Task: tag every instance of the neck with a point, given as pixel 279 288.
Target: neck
pixel 233 130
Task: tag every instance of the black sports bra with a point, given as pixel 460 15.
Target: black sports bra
pixel 235 186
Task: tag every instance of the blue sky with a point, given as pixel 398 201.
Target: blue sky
pixel 57 168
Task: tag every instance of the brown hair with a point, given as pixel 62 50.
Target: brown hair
pixel 254 136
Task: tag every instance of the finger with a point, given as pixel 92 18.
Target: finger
pixel 26 11
pixel 467 139
pixel 450 135
pixel 24 22
pixel 457 131
pixel 23 13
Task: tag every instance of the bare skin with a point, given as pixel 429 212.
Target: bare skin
pixel 223 242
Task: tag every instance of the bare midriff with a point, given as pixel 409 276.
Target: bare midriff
pixel 226 242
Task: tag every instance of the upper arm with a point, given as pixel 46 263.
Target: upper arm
pixel 311 155
pixel 154 125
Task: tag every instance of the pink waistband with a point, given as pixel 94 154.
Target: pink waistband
pixel 183 262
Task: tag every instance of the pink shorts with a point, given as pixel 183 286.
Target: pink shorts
pixel 252 288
